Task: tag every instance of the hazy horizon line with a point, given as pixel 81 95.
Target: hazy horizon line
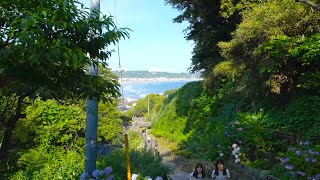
pixel 157 71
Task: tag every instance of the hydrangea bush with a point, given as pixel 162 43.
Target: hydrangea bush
pixel 106 175
pixel 140 177
pixel 236 153
pixel 301 161
pixel 98 174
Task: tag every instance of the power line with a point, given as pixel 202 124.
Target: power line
pixel 119 57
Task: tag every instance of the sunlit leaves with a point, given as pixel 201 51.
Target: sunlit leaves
pixel 301 54
pixel 47 43
pixel 284 64
pixel 207 27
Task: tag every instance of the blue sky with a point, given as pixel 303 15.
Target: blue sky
pixel 156 43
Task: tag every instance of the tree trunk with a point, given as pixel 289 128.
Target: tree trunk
pixel 6 139
pixel 9 127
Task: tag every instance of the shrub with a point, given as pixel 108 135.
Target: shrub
pixel 301 161
pixel 55 163
pixel 142 162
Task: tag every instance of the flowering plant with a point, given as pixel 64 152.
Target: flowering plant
pixel 301 161
pixel 236 153
pixel 140 177
pixel 251 138
pixel 98 174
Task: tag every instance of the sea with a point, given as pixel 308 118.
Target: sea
pixel 137 90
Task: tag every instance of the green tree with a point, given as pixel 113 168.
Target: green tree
pixel 135 141
pixel 52 131
pixel 49 143
pixel 110 123
pixel 296 59
pixel 155 102
pixel 53 163
pixel 45 47
pixel 206 28
pixel 274 62
pixel 49 124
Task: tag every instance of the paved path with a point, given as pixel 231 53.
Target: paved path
pixel 178 175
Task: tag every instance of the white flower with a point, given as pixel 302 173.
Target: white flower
pixel 134 176
pixel 234 152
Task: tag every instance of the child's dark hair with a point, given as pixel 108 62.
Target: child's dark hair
pixel 216 171
pixel 195 172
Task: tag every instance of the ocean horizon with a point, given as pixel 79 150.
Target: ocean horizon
pixel 136 90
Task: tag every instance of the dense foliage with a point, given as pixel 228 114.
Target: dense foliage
pixel 207 28
pixel 207 125
pixel 152 101
pixel 261 79
pixel 260 63
pixel 51 139
pixel 142 162
pixel 45 49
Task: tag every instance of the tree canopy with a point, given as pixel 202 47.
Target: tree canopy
pixel 49 44
pixel 263 46
pixel 46 48
pixel 206 28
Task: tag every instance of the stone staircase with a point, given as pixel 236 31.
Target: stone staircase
pixel 182 167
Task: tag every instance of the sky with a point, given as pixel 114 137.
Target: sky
pixel 155 43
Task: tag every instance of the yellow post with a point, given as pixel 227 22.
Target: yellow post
pixel 127 157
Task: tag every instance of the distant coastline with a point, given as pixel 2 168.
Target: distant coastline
pixel 162 79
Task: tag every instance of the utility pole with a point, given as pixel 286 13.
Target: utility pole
pixel 148 107
pixel 92 113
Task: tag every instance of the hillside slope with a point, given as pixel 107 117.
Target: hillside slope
pixel 203 126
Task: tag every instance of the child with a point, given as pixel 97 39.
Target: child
pixel 220 172
pixel 198 173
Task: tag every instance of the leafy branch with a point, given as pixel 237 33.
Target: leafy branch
pixel 310 3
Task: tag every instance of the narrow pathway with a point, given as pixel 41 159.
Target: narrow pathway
pixel 181 167
pixel 167 156
pixel 166 153
pixel 178 175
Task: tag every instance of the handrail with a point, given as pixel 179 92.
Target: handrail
pixel 270 177
pixel 127 157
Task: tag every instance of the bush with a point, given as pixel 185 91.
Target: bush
pixel 175 112
pixel 142 162
pixel 155 102
pixel 254 138
pixel 50 124
pixel 302 117
pixel 301 161
pixel 135 141
pixel 54 135
pixel 54 163
pixel 98 174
